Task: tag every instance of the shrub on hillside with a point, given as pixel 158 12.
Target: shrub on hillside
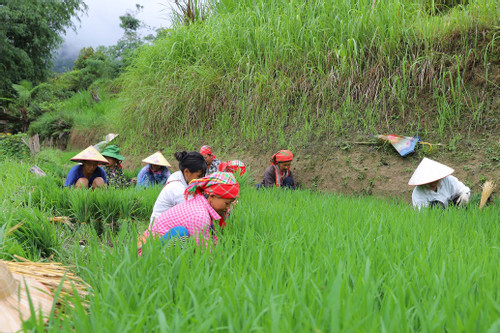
pixel 12 146
pixel 52 125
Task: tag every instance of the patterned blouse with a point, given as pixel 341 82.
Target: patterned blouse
pixel 115 176
pixel 214 167
pixel 196 215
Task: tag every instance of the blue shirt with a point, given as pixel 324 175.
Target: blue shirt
pixel 76 173
pixel 146 178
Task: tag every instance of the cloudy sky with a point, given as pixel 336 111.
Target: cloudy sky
pixel 101 24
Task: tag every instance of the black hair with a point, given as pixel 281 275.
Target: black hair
pixel 193 161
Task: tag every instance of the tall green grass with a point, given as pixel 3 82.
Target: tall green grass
pixel 256 70
pixel 301 261
pixel 287 261
pixel 87 113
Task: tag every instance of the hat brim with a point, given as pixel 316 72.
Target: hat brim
pixel 157 159
pixel 16 307
pixel 117 156
pixel 429 171
pixel 89 154
pixel 90 160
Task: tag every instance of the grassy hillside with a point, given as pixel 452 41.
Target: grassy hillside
pixel 285 72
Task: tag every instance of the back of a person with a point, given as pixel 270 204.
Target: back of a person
pixel 190 214
pixel 171 195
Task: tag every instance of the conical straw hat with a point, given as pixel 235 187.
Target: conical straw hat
pixel 429 171
pixel 14 301
pixel 110 137
pixel 157 159
pixel 90 154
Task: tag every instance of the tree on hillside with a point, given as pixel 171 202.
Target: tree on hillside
pixel 126 46
pixel 29 33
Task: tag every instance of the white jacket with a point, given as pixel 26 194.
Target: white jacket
pixel 172 194
pixel 447 190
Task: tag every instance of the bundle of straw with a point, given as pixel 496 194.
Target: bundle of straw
pixel 50 274
pixel 488 188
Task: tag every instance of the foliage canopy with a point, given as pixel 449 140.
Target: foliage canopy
pixel 29 33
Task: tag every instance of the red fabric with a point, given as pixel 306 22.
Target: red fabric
pixel 206 150
pixel 224 191
pixel 233 166
pixel 221 184
pixel 282 156
pixel 223 166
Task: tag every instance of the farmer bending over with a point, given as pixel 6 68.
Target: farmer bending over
pixel 192 165
pixel 155 173
pixel 434 185
pixel 212 161
pixel 88 174
pixel 213 196
pixel 235 166
pixel 278 173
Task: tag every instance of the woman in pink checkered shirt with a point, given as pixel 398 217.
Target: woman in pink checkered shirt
pixel 213 196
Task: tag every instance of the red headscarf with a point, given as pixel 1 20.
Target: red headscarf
pixel 206 150
pixel 233 166
pixel 282 156
pixel 222 184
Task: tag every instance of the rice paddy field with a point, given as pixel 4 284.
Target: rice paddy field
pixel 297 261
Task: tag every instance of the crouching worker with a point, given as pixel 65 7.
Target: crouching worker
pixel 192 165
pixel 234 166
pixel 88 174
pixel 155 172
pixel 278 173
pixel 114 169
pixel 434 185
pixel 212 161
pixel 213 196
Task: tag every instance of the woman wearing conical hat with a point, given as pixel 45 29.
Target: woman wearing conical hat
pixel 278 173
pixel 434 185
pixel 88 174
pixel 156 171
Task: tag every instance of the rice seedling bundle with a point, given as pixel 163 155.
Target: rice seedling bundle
pixel 51 274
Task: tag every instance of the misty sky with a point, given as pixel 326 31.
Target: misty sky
pixel 101 25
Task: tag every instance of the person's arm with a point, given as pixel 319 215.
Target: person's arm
pixel 167 173
pixel 141 178
pixel 72 177
pixel 102 174
pixel 458 190
pixel 269 177
pixel 418 199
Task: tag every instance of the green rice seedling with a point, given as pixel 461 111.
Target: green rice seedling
pixel 36 234
pixel 299 260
